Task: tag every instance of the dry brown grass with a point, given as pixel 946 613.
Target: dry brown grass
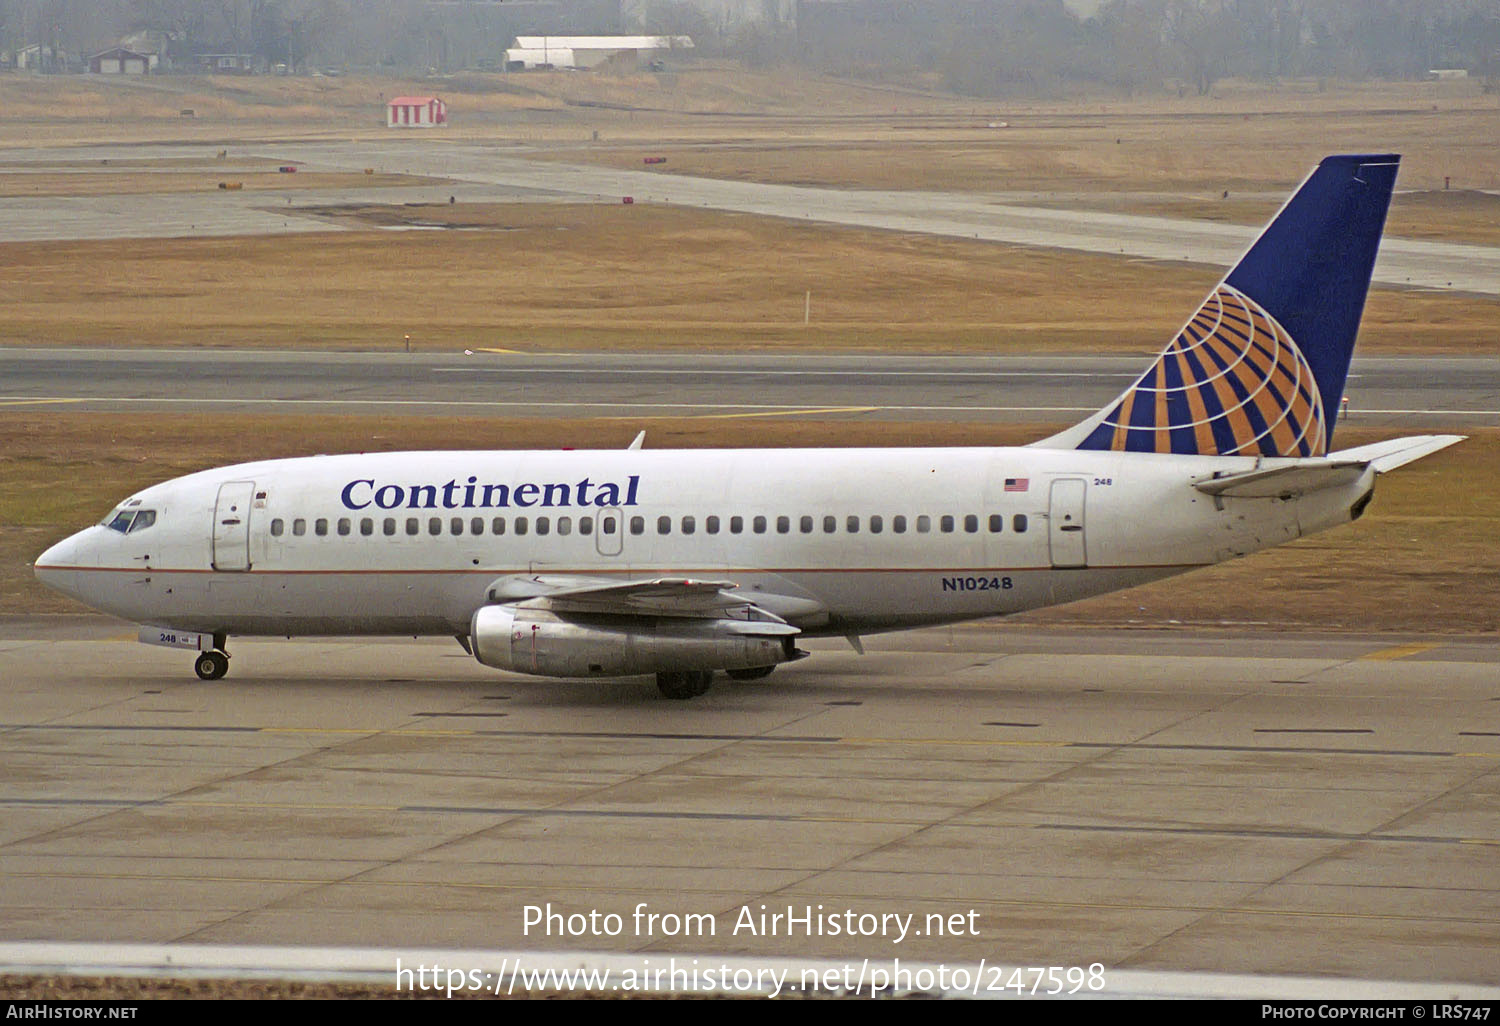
pixel 106 183
pixel 572 277
pixel 1423 559
pixel 1192 150
pixel 789 127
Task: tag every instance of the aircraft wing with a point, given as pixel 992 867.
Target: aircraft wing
pixel 657 596
pixel 1297 477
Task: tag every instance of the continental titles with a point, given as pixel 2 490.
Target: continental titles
pixel 474 494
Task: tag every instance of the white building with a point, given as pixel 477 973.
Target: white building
pixel 588 51
pixel 120 61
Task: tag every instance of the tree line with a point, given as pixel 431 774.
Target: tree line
pixel 979 47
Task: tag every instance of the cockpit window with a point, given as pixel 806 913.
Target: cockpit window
pixel 129 521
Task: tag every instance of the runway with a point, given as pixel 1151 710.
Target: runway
pixel 487 173
pixel 1407 392
pixel 1209 801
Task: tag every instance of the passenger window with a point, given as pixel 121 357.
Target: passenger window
pixel 456 526
pixel 434 526
pixel 663 525
pixel 389 527
pixel 476 525
pixel 971 523
pixel 366 526
pixel 564 525
pixel 277 526
pixel 997 523
pixel 413 526
pixel 736 525
pixel 852 525
pixel 711 525
pixel 637 525
pixel 520 525
pixel 759 525
pixel 586 525
pixel 898 524
pixel 344 526
pixel 783 525
pixel 543 525
pixel 143 519
pixel 924 524
pixel 606 525
pixel 946 524
pixel 299 526
pixel 830 524
pixel 807 525
pixel 876 524
pixel 688 525
pixel 497 526
pixel 1018 523
pixel 320 527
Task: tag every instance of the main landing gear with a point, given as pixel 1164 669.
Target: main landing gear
pixel 684 684
pixel 692 683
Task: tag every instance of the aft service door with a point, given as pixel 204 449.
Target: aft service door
pixel 609 532
pixel 232 526
pixel 1065 531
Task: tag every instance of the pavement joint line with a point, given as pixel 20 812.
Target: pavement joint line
pixel 1206 830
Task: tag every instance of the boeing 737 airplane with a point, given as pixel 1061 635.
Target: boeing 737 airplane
pixel 681 564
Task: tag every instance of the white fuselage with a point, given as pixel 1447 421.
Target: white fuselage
pixel 835 541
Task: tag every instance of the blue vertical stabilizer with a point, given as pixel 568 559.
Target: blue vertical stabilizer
pixel 1260 368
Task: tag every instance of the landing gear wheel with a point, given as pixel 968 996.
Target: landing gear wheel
pixel 685 684
pixel 754 673
pixel 211 665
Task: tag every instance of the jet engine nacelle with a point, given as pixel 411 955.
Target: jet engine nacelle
pixel 550 644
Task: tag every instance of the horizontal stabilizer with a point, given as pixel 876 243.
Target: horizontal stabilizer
pixel 1284 481
pixel 1297 477
pixel 1398 452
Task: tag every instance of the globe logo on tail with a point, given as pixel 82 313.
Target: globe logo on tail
pixel 1232 383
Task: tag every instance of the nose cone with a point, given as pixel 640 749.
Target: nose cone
pixel 58 567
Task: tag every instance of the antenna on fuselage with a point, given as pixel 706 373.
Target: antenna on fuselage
pixel 639 439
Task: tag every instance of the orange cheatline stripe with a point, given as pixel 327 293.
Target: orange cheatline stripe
pixel 630 571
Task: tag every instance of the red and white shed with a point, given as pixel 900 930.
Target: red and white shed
pixel 415 112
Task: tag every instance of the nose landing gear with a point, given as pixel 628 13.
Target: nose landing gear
pixel 211 665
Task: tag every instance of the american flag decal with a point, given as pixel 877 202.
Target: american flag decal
pixel 1017 484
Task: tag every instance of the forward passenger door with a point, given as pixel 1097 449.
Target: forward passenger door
pixel 232 526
